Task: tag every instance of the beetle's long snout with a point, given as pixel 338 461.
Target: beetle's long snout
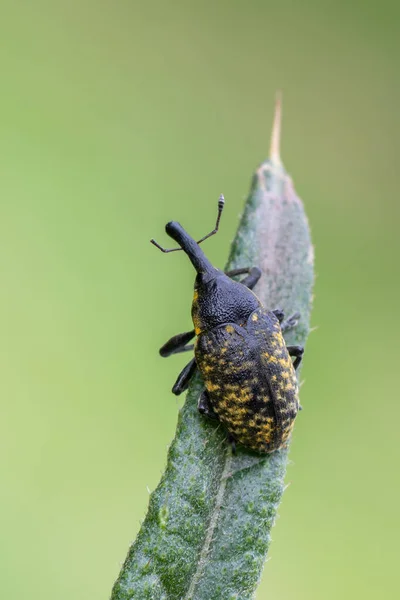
pixel 190 247
pixel 175 230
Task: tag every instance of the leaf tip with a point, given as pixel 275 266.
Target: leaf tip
pixel 274 152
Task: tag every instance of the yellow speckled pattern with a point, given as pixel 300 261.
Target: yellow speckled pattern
pixel 250 380
pixel 195 313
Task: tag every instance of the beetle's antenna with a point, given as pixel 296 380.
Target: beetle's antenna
pixel 221 204
pixel 157 245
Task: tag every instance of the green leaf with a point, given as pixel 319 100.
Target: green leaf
pixel 207 530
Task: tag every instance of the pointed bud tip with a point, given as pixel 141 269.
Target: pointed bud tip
pixel 274 152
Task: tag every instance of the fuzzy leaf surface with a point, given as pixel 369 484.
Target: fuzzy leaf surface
pixel 207 530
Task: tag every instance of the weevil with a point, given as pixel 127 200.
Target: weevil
pixel 249 377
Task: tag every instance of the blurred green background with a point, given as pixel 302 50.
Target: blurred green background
pixel 116 117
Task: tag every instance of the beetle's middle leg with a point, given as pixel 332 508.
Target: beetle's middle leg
pixel 290 322
pixel 184 378
pixel 297 352
pixel 178 343
pixel 254 274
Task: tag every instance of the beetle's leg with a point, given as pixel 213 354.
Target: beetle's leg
pixel 254 274
pixel 290 322
pixel 234 272
pixel 280 315
pixel 204 406
pixel 297 352
pixel 232 442
pixel 184 377
pixel 178 344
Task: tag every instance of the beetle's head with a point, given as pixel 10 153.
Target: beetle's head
pixel 199 260
pixel 204 268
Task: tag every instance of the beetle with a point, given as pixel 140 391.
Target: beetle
pixel 249 377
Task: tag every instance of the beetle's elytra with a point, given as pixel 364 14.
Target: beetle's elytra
pixel 249 377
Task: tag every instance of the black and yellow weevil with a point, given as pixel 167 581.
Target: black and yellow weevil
pixel 249 377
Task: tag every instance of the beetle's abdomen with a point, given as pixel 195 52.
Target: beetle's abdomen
pixel 250 380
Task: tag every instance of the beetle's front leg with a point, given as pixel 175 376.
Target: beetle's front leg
pixel 254 274
pixel 297 352
pixel 184 377
pixel 178 343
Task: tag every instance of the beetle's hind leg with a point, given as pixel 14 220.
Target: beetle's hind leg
pixel 254 274
pixel 184 378
pixel 297 352
pixel 205 408
pixel 232 442
pixel 178 343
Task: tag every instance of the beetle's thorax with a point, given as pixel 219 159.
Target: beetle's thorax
pixel 218 300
